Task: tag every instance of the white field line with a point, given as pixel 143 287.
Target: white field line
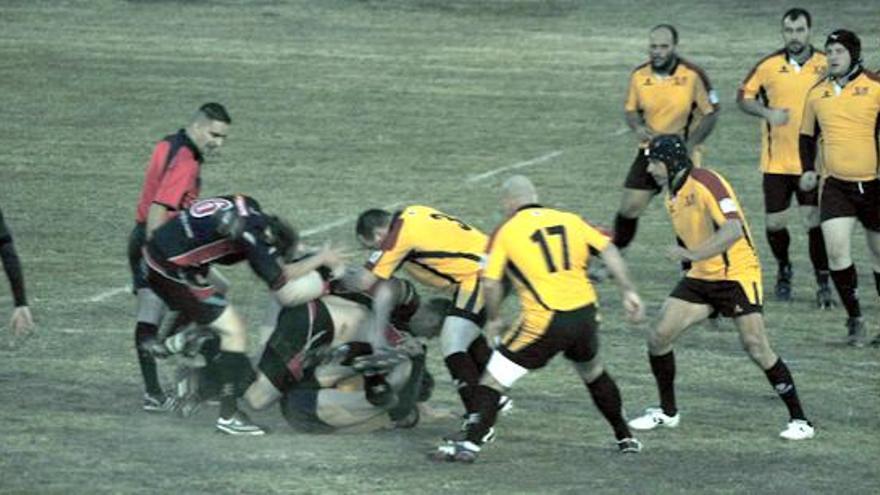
pixel 515 166
pixel 107 294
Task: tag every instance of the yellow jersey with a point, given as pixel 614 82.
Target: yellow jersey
pixel 848 120
pixel 545 252
pixel 701 205
pixel 437 249
pixel 671 104
pixel 782 83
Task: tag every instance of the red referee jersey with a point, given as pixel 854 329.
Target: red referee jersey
pixel 172 177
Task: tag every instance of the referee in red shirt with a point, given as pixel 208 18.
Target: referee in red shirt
pixel 171 183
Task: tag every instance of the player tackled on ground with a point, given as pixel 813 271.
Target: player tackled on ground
pixel 725 276
pixel 225 230
pixel 844 109
pixel 545 252
pixel 775 91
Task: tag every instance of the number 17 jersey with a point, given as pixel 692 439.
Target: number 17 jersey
pixel 545 252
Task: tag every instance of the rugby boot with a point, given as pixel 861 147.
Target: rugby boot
pixel 824 297
pixel 783 283
pixel 855 331
pixel 798 429
pixel 463 451
pixel 629 446
pixel 239 424
pixel 654 417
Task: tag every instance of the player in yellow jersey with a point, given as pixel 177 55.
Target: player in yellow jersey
pixel 775 91
pixel 725 276
pixel 667 95
pixel 545 252
pixel 844 109
pixel 439 251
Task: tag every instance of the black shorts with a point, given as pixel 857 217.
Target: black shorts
pixel 573 333
pixel 299 406
pixel 851 199
pixel 202 304
pixel 136 241
pixel 298 330
pixel 727 297
pixel 638 176
pixel 779 188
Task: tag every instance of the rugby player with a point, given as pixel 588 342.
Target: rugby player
pixel 225 230
pixel 844 110
pixel 775 91
pixel 725 276
pixel 545 251
pixel 667 95
pixel 171 183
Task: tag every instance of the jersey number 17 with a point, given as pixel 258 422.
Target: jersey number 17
pixel 540 239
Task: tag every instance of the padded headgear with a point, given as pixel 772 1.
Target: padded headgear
pixel 850 41
pixel 671 150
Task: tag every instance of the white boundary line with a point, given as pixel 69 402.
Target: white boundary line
pixel 515 166
pixel 107 294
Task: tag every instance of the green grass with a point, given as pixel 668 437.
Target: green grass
pixel 341 105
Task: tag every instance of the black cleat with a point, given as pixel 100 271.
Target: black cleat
pixel 629 446
pixel 464 452
pixel 783 283
pixel 855 331
pixel 824 297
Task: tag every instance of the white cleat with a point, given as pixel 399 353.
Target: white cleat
pixel 654 417
pixel 798 429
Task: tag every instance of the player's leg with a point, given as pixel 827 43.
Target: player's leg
pixel 809 208
pixel 870 219
pixel 778 190
pixel 456 337
pixel 754 340
pixel 583 353
pixel 680 311
pixel 150 311
pixel 261 393
pixel 638 189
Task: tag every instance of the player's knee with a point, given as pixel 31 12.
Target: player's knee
pixel 659 341
pixel 775 221
pixel 811 217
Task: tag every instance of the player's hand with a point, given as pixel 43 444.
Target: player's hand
pixel 678 253
pixel 21 323
pixel 776 116
pixel 493 330
pixel 809 180
pixel 633 306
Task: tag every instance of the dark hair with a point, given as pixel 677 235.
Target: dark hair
pixel 215 111
pixel 370 220
pixel 796 13
pixel 671 29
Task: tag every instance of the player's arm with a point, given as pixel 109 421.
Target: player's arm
pixel 181 175
pixel 747 101
pixel 707 102
pixel 703 129
pixel 716 202
pixel 491 280
pixel 387 295
pixel 156 216
pixel 807 145
pixel 636 122
pixel 726 236
pixel 21 322
pixel 610 255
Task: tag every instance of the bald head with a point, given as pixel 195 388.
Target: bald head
pixel 518 191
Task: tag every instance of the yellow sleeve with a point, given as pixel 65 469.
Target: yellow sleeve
pixel 632 96
pixel 384 262
pixel 808 121
pixel 596 239
pixel 704 96
pixel 496 256
pixel 751 85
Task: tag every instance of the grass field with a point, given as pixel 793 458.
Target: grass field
pixel 339 105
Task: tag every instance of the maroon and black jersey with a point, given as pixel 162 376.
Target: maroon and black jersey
pixel 224 230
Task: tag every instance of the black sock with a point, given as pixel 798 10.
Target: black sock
pixel 480 352
pixel 624 230
pixel 485 401
pixel 846 282
pixel 142 333
pixel 818 255
pixel 663 368
pixel 466 375
pixel 779 241
pixel 231 368
pixel 606 396
pixel 783 384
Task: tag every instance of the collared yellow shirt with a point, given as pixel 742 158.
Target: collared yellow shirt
pixel 545 252
pixel 698 209
pixel 782 83
pixel 435 248
pixel 848 121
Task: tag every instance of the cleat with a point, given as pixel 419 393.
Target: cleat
pixel 239 424
pixel 798 429
pixel 629 446
pixel 461 436
pixel 783 283
pixel 654 417
pixel 464 452
pixel 159 403
pixel 505 405
pixel 856 332
pixel 824 297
